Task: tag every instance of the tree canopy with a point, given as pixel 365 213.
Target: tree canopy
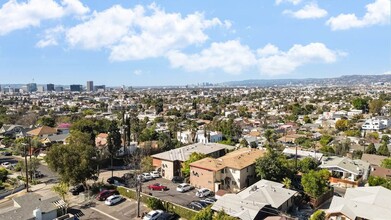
pixel 386 163
pixel 370 149
pixel 315 183
pixel 273 166
pixel 74 163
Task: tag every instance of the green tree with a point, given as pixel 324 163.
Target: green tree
pixel 385 138
pixel 386 163
pixel 74 163
pixel 360 103
pixel 221 215
pixel 307 119
pixel 193 157
pixel 357 154
pixel 85 126
pixel 315 183
pixel 287 182
pixel 244 143
pixel 113 142
pixel 205 214
pixel 273 166
pixel 342 124
pixel 318 215
pixel 307 164
pixel 375 106
pixel 371 149
pixel 159 105
pixel 146 164
pixel 3 174
pixel 47 121
pixel 61 189
pixel 383 150
pixel 379 181
pixel 325 139
pixel 154 203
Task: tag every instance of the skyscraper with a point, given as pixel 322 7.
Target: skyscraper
pixel 90 86
pixel 75 88
pixel 50 87
pixel 31 87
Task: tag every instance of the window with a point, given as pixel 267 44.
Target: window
pixel 247 169
pixel 223 170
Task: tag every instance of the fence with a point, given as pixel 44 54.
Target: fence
pixel 182 211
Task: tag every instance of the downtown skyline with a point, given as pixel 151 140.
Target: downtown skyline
pixel 157 43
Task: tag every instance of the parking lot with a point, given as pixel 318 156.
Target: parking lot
pixel 171 194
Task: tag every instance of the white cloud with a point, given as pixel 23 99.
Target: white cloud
pixel 309 11
pixel 16 16
pixel 50 37
pixel 231 56
pixel 74 7
pixel 286 62
pixel 295 2
pixel 139 33
pixel 269 49
pixel 377 13
pixel 104 28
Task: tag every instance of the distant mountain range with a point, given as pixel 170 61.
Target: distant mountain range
pixel 351 80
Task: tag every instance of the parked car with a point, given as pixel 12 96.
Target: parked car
pixel 184 187
pixel 114 179
pixel 77 189
pixel 177 179
pixel 203 192
pixel 147 176
pixel 157 186
pixel 38 174
pixel 153 215
pixel 195 206
pixel 6 165
pixel 210 200
pixel 155 174
pixel 167 216
pixel 6 153
pixel 113 199
pixel 104 194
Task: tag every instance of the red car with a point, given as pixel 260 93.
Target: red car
pixel 157 186
pixel 104 194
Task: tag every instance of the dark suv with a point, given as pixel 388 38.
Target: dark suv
pixel 177 179
pixel 104 194
pixel 77 189
pixel 114 179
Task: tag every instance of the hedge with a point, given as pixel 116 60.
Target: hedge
pixel 182 211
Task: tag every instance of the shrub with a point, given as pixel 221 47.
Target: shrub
pixel 154 203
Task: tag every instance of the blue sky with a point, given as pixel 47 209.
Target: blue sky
pixel 143 43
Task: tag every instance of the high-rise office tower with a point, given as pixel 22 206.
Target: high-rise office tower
pixel 50 87
pixel 90 86
pixel 31 87
pixel 75 88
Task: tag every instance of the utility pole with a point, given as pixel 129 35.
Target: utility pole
pixel 138 191
pixel 26 167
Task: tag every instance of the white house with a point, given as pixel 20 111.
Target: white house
pixel 214 137
pixel 376 124
pixel 184 137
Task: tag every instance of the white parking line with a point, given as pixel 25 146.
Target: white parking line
pixel 103 213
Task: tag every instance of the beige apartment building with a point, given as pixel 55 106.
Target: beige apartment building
pixel 232 172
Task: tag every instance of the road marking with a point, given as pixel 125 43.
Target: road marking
pixel 103 213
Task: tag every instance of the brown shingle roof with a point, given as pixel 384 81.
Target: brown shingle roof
pixel 42 131
pixel 238 159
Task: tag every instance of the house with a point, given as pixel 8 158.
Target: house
pixel 13 131
pixel 185 137
pixel 361 203
pixel 42 131
pixel 373 159
pixel 55 139
pixel 301 154
pixel 212 137
pixel 33 206
pixel 381 172
pixel 376 124
pixel 345 168
pixel 233 171
pixel 63 128
pixel 258 201
pixel 170 162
